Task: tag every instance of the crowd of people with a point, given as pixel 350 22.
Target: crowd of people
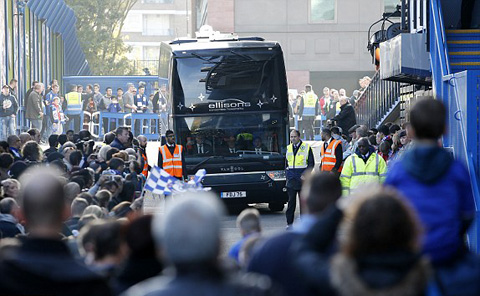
pixel 312 112
pixel 385 213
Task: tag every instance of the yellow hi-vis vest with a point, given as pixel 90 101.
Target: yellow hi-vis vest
pixel 309 102
pixel 74 101
pixel 356 172
pixel 300 160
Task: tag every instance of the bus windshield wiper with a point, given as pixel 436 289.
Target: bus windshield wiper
pixel 204 161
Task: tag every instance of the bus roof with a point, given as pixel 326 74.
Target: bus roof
pixel 198 44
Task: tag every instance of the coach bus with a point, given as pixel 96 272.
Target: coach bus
pixel 227 97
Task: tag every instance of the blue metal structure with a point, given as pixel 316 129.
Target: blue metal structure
pixel 460 92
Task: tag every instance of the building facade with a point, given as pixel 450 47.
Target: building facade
pixel 324 41
pixel 150 22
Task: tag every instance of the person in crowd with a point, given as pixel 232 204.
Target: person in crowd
pixel 142 262
pixel 384 151
pixel 384 135
pixel 273 258
pixel 346 118
pixel 309 109
pixel 43 263
pixel 200 147
pixel 49 108
pixel 381 261
pixel 15 144
pixel 24 138
pixel 12 86
pixel 141 100
pixel 248 222
pixel 299 160
pixel 331 154
pixel 32 152
pixel 78 206
pixel 121 138
pixel 363 167
pixel 8 112
pixel 57 117
pixel 331 109
pixel 6 161
pixel 10 188
pixel 34 106
pixel 35 135
pixel 258 146
pixel 437 185
pixel 53 144
pixel 98 97
pixel 354 98
pixel 324 101
pixel 113 107
pixel 142 149
pixel 129 100
pixel 9 218
pixel 337 135
pixel 171 157
pixel 188 237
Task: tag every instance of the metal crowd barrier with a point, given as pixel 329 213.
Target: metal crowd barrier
pixel 147 124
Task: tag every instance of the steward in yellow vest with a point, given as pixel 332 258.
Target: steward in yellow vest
pixel 299 158
pixel 363 167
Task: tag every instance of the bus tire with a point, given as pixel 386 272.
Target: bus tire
pixel 276 206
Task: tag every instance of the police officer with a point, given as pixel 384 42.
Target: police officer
pixel 171 157
pixel 299 160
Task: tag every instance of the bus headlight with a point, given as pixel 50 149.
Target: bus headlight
pixel 276 175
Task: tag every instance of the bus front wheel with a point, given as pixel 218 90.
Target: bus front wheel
pixel 276 206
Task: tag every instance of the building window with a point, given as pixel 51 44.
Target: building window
pixel 322 11
pixel 158 1
pixel 390 5
pixel 156 25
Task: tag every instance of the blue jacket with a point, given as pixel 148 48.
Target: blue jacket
pixel 439 189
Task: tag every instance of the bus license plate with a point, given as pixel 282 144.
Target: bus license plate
pixel 233 194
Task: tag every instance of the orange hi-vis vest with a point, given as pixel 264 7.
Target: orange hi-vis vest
pixel 145 165
pixel 328 157
pixel 172 164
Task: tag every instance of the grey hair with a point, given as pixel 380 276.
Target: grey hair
pixel 7 205
pixel 189 232
pixel 249 221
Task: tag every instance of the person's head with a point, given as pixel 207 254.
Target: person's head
pixel 9 206
pixel 326 134
pixel 71 190
pixel 319 192
pixel 130 87
pixel 103 197
pixel 170 136
pixel 142 141
pixel 141 89
pixel 13 83
pixel 78 206
pixel 111 152
pixel 403 137
pixel 189 233
pixel 94 210
pixel 55 89
pixel 35 134
pixel 96 88
pixel 32 151
pixel 427 120
pixel 5 90
pixel 6 160
pixel 14 141
pixel 89 88
pixel 343 100
pixel 119 91
pixel 75 158
pixel 361 131
pixel 116 164
pixel 108 138
pixel 393 129
pixel 308 87
pixel 43 202
pixel 134 166
pixel 73 88
pixel 108 91
pixel 342 92
pixel 390 223
pixel 257 142
pixel 363 146
pixel 24 138
pixel 4 146
pixel 384 148
pixel 200 139
pixel 122 134
pixel 372 140
pixel 249 221
pixel 53 141
pixel 336 95
pixel 62 139
pixel 102 153
pixel 112 187
pixel 231 142
pixel 326 91
pixel 10 188
pixel 295 137
pixel 39 87
pixel 383 131
pixel 356 93
pixel 336 131
pixel 70 134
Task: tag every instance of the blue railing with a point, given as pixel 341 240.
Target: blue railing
pixel 455 90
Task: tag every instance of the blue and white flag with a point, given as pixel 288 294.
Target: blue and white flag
pixel 159 181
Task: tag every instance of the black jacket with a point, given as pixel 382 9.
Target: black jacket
pixel 46 267
pixel 346 118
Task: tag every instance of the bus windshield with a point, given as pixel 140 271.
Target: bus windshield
pixel 218 79
pixel 249 135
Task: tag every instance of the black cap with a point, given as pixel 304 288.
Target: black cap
pixel 17 169
pixel 54 156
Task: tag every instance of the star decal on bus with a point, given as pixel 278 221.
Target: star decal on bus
pixel 201 97
pixel 192 107
pixel 273 98
pixel 180 106
pixel 260 104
